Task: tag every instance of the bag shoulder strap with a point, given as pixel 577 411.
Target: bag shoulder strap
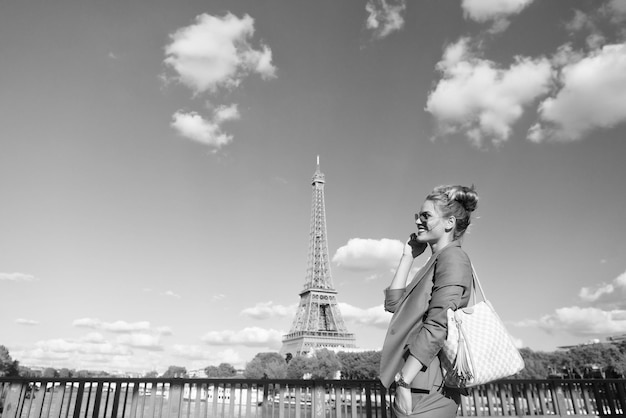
pixel 476 284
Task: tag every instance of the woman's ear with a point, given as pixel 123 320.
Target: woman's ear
pixel 450 223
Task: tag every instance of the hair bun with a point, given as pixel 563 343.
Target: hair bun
pixel 466 196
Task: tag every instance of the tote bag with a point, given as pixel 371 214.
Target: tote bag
pixel 478 349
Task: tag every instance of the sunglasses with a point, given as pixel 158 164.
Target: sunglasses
pixel 424 216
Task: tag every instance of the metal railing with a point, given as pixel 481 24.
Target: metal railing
pixel 269 398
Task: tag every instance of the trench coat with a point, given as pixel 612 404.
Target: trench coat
pixel 419 324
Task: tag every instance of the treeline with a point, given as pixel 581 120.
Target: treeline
pixel 585 361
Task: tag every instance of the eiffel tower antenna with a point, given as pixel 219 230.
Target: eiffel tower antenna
pixel 318 322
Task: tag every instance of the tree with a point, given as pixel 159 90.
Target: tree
pixel 363 365
pixel 326 364
pixel 152 374
pixel 8 366
pixel 50 372
pixel 266 365
pixel 65 373
pixel 211 372
pixel 223 370
pixel 226 370
pixel 24 371
pixel 299 366
pixel 175 371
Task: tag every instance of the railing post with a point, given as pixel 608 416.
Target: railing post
pixel 561 408
pixel 383 401
pixel 175 395
pixel 265 407
pixel 319 390
pixel 13 397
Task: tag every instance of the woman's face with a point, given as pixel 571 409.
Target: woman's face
pixel 430 223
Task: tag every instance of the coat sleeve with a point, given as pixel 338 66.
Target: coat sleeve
pixel 452 279
pixel 392 298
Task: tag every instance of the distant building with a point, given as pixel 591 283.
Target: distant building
pixel 318 322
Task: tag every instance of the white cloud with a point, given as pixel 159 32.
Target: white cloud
pixel 87 323
pixel 492 10
pixel 375 316
pixel 585 321
pixel 193 126
pixel 216 52
pixel 266 310
pixel 94 338
pixel 163 331
pixel 611 295
pixel 23 321
pixel 122 327
pixel 592 96
pixel 171 294
pixel 369 254
pixel 82 346
pixel 84 354
pixel 518 342
pixel 250 337
pixel 479 98
pixel 216 297
pixel 17 277
pixel 196 352
pixel 579 21
pixel 140 340
pixel 385 16
pixel 616 9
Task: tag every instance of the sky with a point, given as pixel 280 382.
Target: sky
pixel 156 161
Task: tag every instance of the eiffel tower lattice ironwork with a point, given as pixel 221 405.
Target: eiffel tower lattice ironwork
pixel 318 322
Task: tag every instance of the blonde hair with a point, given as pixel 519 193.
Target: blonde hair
pixel 457 201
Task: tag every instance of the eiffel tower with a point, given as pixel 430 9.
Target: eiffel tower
pixel 318 322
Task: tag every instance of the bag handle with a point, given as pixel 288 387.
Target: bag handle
pixel 475 283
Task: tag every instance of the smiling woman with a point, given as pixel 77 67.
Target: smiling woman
pixel 418 328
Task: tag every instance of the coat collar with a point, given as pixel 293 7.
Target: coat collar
pixel 429 264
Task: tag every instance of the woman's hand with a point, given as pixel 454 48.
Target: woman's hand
pixel 403 400
pixel 413 247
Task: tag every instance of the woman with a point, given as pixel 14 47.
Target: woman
pixel 418 327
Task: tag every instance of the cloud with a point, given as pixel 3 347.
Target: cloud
pixel 608 295
pixel 87 323
pixel 193 126
pixel 584 321
pixel 592 95
pixel 496 11
pixel 369 254
pixel 518 342
pixel 140 340
pixel 479 98
pixel 196 352
pixel 171 294
pixel 215 52
pixel 385 16
pixel 616 10
pixel 17 277
pixel 60 345
pixel 607 315
pixel 23 321
pixel 266 310
pixel 375 316
pixel 250 337
pixel 163 331
pixel 91 352
pixel 580 21
pixel 118 326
